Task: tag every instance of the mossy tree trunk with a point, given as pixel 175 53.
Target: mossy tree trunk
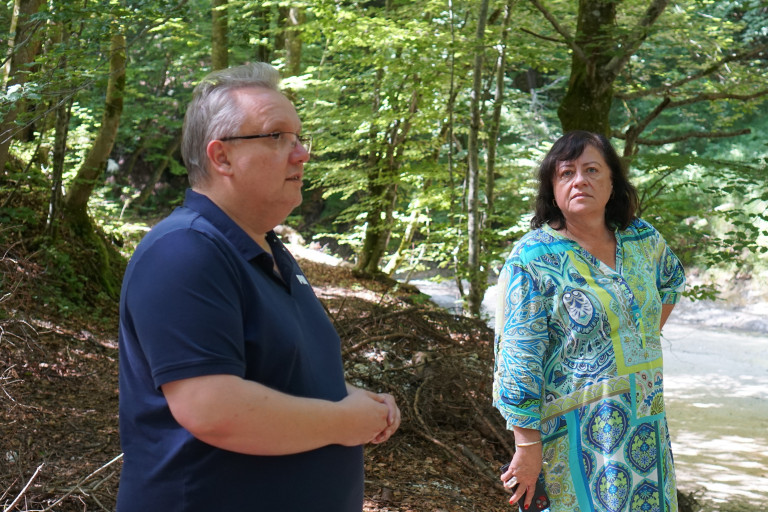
pixel 75 207
pixel 600 51
pixel 219 38
pixel 383 179
pixel 23 46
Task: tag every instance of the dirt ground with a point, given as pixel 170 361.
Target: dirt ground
pixel 59 440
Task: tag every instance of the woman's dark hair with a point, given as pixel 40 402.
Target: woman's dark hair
pixel 622 205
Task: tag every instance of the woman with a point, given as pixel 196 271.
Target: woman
pixel 578 373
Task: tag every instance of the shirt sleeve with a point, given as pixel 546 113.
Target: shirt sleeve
pixel 670 276
pixel 183 303
pixel 520 343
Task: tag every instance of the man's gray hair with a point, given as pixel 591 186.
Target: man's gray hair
pixel 214 113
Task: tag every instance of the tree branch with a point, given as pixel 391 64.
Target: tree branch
pixel 569 40
pixel 714 96
pixel 686 136
pixel 633 132
pixel 545 38
pixel 736 57
pixel 642 125
pixel 633 43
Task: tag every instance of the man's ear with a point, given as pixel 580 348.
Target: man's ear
pixel 218 157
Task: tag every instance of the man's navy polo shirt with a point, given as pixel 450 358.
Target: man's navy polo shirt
pixel 199 298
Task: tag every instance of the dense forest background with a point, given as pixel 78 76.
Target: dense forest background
pixel 428 117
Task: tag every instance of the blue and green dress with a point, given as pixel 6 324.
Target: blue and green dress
pixel 578 356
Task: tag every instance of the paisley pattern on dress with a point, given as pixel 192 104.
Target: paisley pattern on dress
pixel 606 427
pixel 578 356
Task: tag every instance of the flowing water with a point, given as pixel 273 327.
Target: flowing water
pixel 716 393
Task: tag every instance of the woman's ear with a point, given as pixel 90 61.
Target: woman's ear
pixel 218 157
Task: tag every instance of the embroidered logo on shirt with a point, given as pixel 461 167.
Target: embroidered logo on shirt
pixel 302 279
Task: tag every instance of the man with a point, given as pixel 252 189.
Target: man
pixel 232 393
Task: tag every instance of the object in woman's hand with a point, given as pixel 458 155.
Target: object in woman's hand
pixel 540 499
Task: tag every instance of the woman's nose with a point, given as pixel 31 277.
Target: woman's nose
pixel 580 177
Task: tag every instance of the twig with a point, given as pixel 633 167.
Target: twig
pixel 502 439
pixel 81 482
pixel 18 498
pixel 427 434
pixel 373 339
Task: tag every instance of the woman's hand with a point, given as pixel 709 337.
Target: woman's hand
pixel 525 467
pixel 522 474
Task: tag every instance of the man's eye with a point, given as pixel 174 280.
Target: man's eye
pixel 275 136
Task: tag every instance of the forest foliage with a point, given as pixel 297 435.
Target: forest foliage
pixel 428 118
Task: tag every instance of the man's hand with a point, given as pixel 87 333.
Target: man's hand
pixel 393 414
pixel 366 417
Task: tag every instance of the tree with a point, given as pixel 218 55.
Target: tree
pixel 605 68
pixel 24 45
pixel 76 204
pixel 294 19
pixel 219 41
pixel 477 279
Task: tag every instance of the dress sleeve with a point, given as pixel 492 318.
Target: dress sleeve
pixel 670 276
pixel 520 342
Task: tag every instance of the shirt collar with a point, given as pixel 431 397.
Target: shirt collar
pixel 235 234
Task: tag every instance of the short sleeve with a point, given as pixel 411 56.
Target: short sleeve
pixel 183 302
pixel 670 277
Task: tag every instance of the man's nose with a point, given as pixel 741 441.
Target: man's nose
pixel 300 154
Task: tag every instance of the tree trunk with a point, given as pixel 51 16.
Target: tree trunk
pixel 219 39
pixel 293 43
pixel 477 278
pixel 76 203
pixel 63 114
pixel 495 124
pixel 383 193
pixel 587 102
pixel 21 52
pixel 599 53
pixel 382 186
pixel 148 188
pixel 75 207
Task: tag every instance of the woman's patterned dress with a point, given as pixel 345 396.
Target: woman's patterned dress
pixel 578 356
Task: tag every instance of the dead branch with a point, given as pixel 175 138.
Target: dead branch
pixel 476 461
pixel 78 485
pixel 24 490
pixel 375 339
pixel 488 423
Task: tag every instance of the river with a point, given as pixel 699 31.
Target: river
pixel 716 393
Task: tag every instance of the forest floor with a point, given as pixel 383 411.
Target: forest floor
pixel 59 441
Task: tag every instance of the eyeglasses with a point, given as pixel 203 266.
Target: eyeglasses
pixel 282 138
